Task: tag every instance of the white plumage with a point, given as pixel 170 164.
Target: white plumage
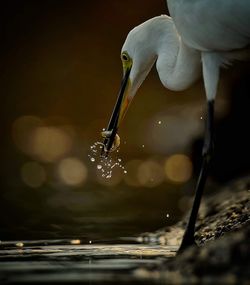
pixel 199 33
pixel 198 38
pixel 212 25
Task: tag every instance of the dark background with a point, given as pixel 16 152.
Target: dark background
pixel 60 72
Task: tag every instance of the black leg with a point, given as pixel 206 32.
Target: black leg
pixel 188 238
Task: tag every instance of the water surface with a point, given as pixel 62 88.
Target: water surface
pixel 69 261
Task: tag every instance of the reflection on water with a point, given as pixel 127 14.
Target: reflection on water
pixel 68 261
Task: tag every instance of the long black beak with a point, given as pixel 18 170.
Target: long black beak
pixel 113 123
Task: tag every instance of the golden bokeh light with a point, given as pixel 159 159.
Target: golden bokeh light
pixel 72 171
pixel 131 177
pixel 22 130
pixel 75 241
pixel 178 168
pixel 46 143
pixel 150 174
pixel 50 143
pixel 33 174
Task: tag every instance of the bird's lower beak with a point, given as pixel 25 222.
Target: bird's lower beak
pixel 118 114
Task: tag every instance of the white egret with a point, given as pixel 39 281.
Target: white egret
pixel 198 38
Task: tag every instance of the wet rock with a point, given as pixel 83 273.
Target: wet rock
pixel 222 234
pixel 223 231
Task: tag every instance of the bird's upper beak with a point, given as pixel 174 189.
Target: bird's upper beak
pixel 119 111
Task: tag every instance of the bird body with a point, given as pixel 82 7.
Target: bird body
pixel 205 25
pixel 182 44
pixel 219 29
pixel 198 38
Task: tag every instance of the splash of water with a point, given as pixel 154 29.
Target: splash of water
pixel 105 165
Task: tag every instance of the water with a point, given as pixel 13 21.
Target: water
pixel 105 165
pixel 70 261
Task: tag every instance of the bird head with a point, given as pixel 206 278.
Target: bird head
pixel 138 55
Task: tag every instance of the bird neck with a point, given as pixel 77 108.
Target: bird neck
pixel 178 65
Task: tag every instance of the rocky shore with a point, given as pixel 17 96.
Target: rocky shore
pixel 223 231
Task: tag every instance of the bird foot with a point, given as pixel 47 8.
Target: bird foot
pixel 187 243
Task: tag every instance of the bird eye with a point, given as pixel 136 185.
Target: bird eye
pixel 124 57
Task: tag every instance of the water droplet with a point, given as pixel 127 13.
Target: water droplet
pixel 159 122
pixel 167 215
pixel 125 171
pixel 104 164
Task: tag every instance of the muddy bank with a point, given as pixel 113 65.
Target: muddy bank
pixel 223 252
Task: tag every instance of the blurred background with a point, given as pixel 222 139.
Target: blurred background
pixel 60 72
